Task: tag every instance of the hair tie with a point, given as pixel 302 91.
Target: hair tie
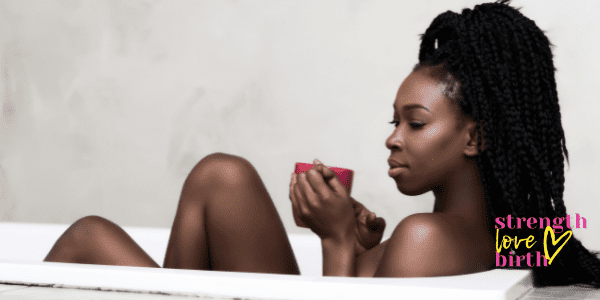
pixel 441 31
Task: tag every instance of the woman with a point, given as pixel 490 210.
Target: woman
pixel 477 122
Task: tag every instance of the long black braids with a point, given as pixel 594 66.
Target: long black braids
pixel 502 65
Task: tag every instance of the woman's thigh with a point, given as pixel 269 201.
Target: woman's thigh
pixel 227 221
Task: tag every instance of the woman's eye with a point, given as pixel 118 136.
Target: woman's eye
pixel 412 124
pixel 416 124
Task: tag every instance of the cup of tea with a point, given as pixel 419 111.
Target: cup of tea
pixel 344 175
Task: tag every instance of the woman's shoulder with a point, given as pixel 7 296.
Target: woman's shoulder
pixel 423 227
pixel 435 244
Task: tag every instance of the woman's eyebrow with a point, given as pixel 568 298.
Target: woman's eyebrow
pixel 412 106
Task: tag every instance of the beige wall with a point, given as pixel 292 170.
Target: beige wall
pixel 107 105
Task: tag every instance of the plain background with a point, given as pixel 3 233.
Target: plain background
pixel 107 105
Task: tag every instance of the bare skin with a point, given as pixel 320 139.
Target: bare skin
pixel 226 220
pixel 437 145
pixel 431 150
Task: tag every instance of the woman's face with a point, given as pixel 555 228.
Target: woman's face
pixel 428 142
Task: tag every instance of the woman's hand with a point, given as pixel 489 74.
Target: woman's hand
pixel 369 228
pixel 322 203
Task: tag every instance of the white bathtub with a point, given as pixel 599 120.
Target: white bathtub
pixel 24 246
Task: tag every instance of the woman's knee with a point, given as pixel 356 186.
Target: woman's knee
pixel 90 228
pixel 222 168
pixel 74 243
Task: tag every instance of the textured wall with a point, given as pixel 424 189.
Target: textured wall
pixel 107 105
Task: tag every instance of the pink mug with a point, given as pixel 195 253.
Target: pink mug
pixel 344 175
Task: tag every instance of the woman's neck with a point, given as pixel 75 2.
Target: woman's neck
pixel 462 195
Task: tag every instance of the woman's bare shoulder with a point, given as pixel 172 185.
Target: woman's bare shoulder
pixel 434 244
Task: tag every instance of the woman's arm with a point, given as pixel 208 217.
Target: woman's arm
pixel 368 262
pixel 339 258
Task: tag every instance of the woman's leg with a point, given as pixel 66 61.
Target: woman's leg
pixel 226 221
pixel 95 240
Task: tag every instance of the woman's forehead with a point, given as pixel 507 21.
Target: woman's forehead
pixel 419 91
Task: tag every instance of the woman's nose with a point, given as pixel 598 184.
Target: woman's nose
pixel 394 141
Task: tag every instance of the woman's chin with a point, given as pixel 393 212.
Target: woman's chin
pixel 410 190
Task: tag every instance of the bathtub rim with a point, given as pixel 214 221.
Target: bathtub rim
pixel 513 284
pixel 264 286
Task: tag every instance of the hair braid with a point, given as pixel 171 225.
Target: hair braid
pixel 541 117
pixel 528 88
pixel 503 66
pixel 479 91
pixel 499 82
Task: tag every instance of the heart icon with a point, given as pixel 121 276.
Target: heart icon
pixel 554 242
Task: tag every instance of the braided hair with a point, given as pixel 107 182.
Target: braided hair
pixel 501 64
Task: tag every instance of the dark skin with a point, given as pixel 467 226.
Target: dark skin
pixel 226 219
pixel 434 148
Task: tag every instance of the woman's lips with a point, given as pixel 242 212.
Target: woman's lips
pixel 393 172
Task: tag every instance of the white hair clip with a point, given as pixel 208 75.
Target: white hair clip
pixel 435 46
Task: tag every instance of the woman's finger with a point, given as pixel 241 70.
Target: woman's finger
pixel 295 209
pixel 299 200
pixel 317 162
pixel 291 185
pixel 356 206
pixel 308 195
pixel 334 182
pixel 298 196
pixel 330 178
pixel 293 197
pixel 371 218
pixel 318 184
pixel 363 216
pixel 378 225
pixel 319 166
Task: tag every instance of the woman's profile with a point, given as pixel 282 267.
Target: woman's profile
pixel 477 122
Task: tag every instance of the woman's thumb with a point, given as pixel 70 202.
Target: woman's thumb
pixel 334 182
pixel 378 225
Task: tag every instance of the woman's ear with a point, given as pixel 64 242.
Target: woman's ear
pixel 471 147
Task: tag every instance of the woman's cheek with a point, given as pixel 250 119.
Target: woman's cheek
pixel 431 132
pixel 429 144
